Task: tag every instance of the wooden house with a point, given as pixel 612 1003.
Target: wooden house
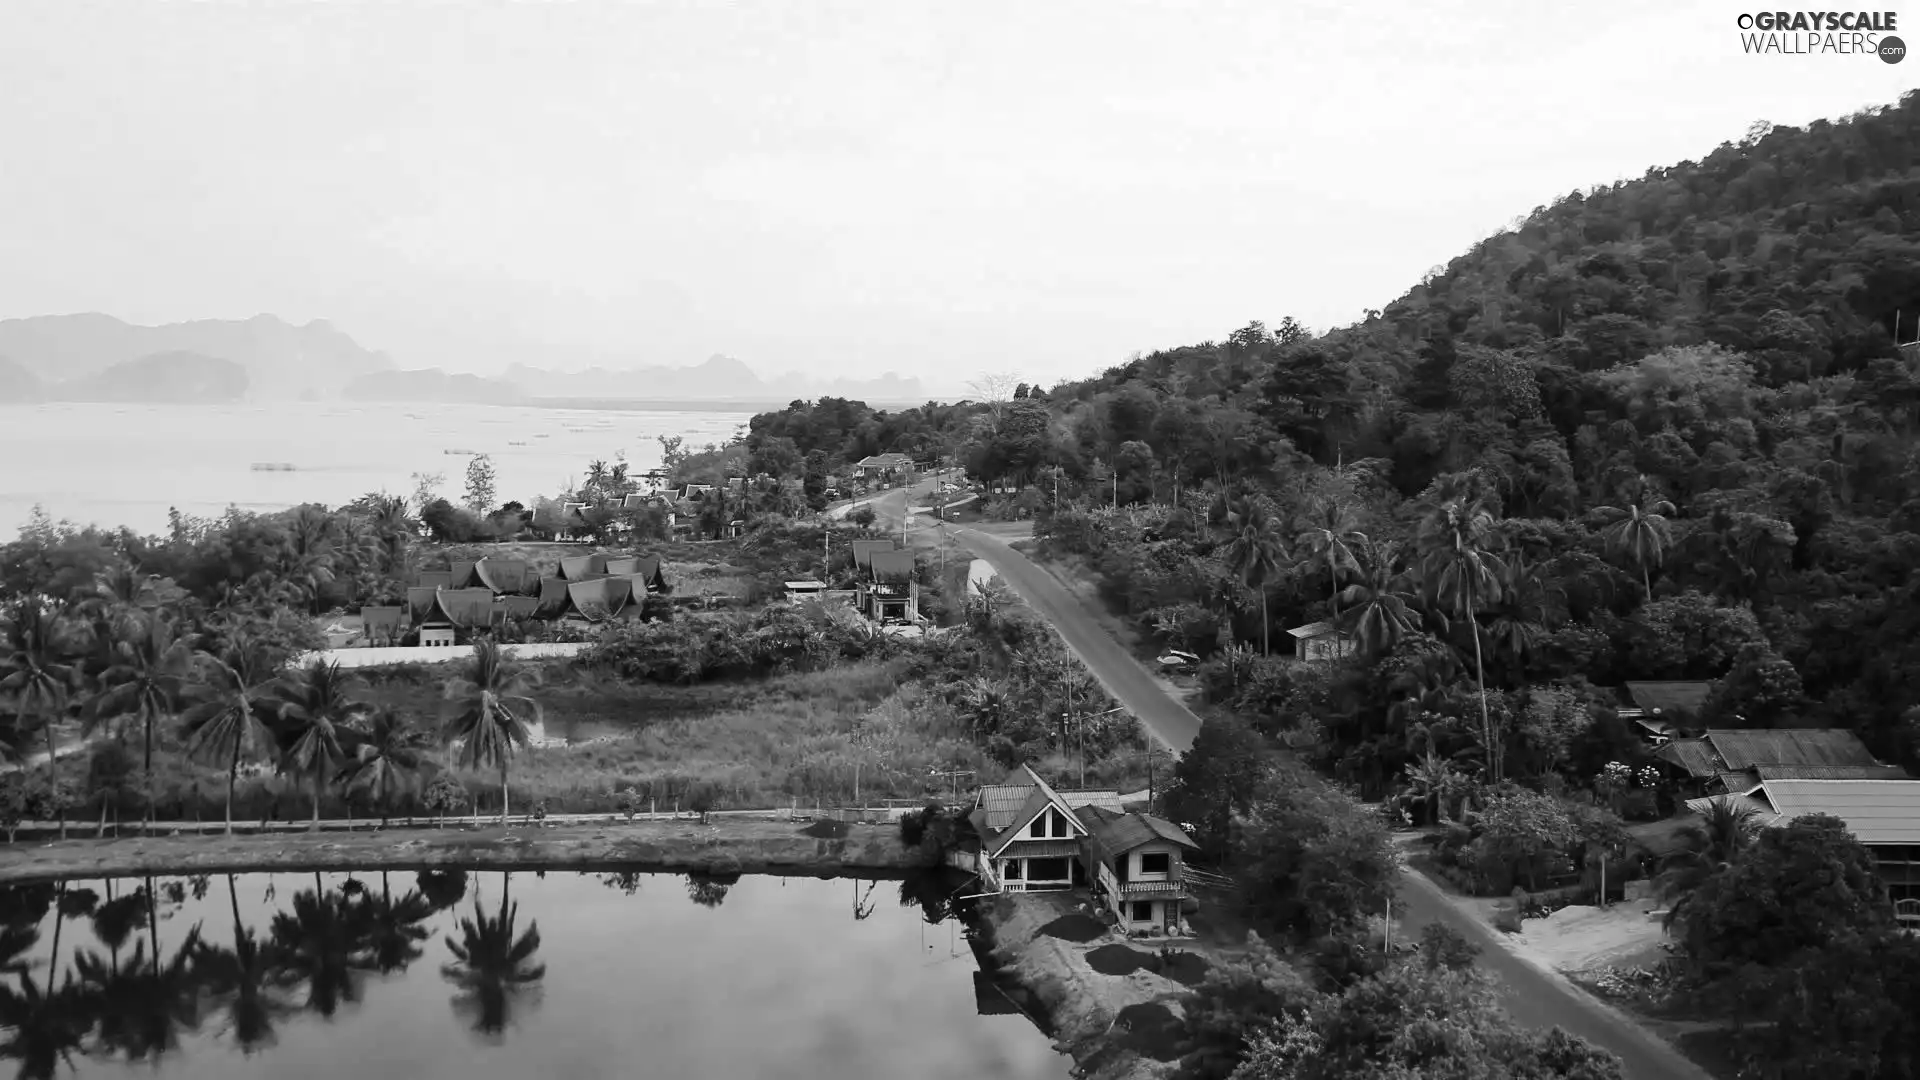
pixel 1322 642
pixel 1137 866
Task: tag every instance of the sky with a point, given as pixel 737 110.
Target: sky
pixel 829 187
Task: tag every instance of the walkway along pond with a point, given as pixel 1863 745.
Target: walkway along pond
pixel 452 973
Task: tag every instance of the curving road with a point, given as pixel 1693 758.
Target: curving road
pixel 1166 718
pixel 1535 996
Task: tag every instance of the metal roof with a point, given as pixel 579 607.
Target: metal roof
pixel 1693 755
pixel 1119 833
pixel 1877 812
pixel 891 565
pixel 1668 696
pixel 1830 772
pixel 1314 629
pixel 1743 749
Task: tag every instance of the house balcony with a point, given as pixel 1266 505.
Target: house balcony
pixel 1170 887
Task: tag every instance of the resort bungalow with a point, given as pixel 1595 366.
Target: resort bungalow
pixel 1661 710
pixel 888 591
pixel 1322 642
pixel 488 592
pixel 1035 839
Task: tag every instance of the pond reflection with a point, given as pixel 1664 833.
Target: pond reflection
pixel 320 974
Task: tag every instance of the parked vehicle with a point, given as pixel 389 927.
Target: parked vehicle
pixel 1178 661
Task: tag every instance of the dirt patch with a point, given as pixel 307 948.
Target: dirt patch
pixel 724 845
pixel 828 829
pixel 1581 937
pixel 1076 927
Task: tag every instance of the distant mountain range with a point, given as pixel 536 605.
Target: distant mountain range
pixel 100 358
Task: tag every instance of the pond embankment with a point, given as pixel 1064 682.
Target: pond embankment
pixel 720 846
pixel 1114 1005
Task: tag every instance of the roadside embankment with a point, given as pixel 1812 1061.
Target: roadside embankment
pixel 1112 1004
pixel 721 846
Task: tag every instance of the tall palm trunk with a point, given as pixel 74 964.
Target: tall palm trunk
pixel 318 777
pixel 233 777
pixel 1266 648
pixel 233 897
pixel 1646 581
pixel 153 922
pixel 1486 719
pixel 59 921
pixel 503 792
pixel 147 770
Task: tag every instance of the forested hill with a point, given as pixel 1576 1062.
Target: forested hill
pixel 1724 328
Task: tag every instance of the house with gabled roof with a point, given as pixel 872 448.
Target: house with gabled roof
pixel 1883 814
pixel 1729 761
pixel 1662 709
pixel 888 592
pixel 1322 642
pixel 1036 839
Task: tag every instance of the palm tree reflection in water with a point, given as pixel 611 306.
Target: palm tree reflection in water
pixel 493 968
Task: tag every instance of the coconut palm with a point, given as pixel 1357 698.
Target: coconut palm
pixel 228 722
pixel 249 981
pixel 492 966
pixel 38 677
pixel 487 710
pixel 311 556
pixel 311 704
pixel 1530 603
pixel 1254 555
pixel 1461 572
pixel 387 760
pixel 43 1026
pixel 1379 606
pixel 1723 833
pixel 147 683
pixel 1332 539
pixel 1433 778
pixel 1640 530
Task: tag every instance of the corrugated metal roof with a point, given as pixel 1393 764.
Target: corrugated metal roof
pixel 1079 800
pixel 1831 772
pixel 1875 811
pixel 1001 801
pixel 891 565
pixel 1669 695
pixel 1739 782
pixel 1693 755
pixel 1314 629
pixel 1743 749
pixel 1041 849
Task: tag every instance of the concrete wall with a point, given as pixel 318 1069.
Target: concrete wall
pixel 385 657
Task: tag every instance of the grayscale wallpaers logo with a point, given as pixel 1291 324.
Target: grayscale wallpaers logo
pixel 1811 33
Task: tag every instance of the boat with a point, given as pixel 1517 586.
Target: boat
pixel 272 466
pixel 516 442
pixel 462 453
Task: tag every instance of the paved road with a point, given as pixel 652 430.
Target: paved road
pixel 1535 996
pixel 1119 673
pixel 1539 998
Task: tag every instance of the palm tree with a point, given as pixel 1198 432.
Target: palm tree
pixel 1379 605
pixel 229 721
pixel 38 677
pixel 43 1027
pixel 1433 778
pixel 1530 604
pixel 310 557
pixel 1640 530
pixel 1254 555
pixel 1724 832
pixel 147 682
pixel 1332 538
pixel 1461 573
pixel 387 760
pixel 486 712
pixel 393 531
pixel 491 965
pixel 249 979
pixel 311 704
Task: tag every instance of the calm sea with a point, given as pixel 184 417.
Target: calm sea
pixel 115 465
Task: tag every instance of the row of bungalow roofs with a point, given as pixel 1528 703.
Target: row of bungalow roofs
pixel 483 592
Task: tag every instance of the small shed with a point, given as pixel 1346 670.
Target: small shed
pixel 1322 642
pixel 805 590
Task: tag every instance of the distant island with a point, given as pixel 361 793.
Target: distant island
pixel 95 357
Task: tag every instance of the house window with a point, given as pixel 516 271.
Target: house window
pixel 1143 911
pixel 1059 823
pixel 1048 870
pixel 1039 830
pixel 1157 864
pixel 1011 869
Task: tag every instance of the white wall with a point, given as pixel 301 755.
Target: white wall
pixel 361 658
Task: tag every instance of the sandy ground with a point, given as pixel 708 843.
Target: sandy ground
pixel 1082 1002
pixel 724 845
pixel 1582 938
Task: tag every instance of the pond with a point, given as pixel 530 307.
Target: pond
pixel 561 975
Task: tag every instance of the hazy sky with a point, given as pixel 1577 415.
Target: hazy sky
pixel 841 188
